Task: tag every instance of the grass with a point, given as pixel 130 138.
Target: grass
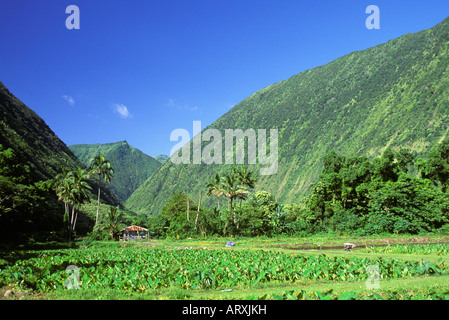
pixel 419 286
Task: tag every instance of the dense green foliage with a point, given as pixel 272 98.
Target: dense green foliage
pixel 371 197
pixel 391 96
pixel 134 268
pixel 394 193
pixel 247 214
pixel 112 222
pixel 131 166
pixel 26 207
pixel 403 294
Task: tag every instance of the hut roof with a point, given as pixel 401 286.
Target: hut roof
pixel 134 228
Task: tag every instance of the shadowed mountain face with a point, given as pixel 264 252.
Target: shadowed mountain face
pixel 35 144
pixel 131 166
pixel 27 207
pixel 391 96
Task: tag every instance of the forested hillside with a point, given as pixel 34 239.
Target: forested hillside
pixel 131 166
pixel 31 155
pixel 31 138
pixel 394 95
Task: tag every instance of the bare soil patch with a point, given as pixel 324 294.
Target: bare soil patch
pixel 362 243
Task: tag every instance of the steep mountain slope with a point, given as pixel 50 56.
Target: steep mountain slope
pixel 393 95
pixel 35 144
pixel 131 166
pixel 30 137
pixel 28 210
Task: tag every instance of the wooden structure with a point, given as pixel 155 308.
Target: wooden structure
pixel 134 233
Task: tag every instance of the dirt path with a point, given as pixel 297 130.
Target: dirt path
pixel 359 243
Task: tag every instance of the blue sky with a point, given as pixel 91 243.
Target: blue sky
pixel 136 70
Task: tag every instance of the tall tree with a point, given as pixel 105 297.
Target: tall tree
pixel 79 192
pixel 72 188
pixel 101 167
pixel 246 178
pixel 233 189
pixel 61 185
pixel 215 187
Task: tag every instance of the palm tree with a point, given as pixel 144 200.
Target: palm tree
pixel 61 185
pixel 111 222
pixel 215 187
pixel 246 177
pixel 79 191
pixel 102 167
pixel 72 188
pixel 233 189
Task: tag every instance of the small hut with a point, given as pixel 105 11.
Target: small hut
pixel 134 233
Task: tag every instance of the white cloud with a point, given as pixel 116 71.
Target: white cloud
pixel 69 99
pixel 122 110
pixel 172 104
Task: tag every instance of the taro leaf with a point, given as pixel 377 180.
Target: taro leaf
pixel 374 296
pixel 348 296
pixel 324 296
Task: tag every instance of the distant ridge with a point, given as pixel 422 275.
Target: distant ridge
pixel 131 166
pixel 162 158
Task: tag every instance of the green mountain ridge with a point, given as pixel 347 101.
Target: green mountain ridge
pixel 390 96
pixel 131 166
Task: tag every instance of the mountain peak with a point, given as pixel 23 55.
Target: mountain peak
pixel 131 166
pixel 112 143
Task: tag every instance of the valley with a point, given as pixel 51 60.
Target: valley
pixel 332 184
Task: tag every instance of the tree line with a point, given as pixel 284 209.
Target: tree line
pixel 394 193
pixel 248 212
pixel 29 209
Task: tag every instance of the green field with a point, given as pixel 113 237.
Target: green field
pixel 255 268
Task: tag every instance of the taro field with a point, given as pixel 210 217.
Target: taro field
pixel 136 271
